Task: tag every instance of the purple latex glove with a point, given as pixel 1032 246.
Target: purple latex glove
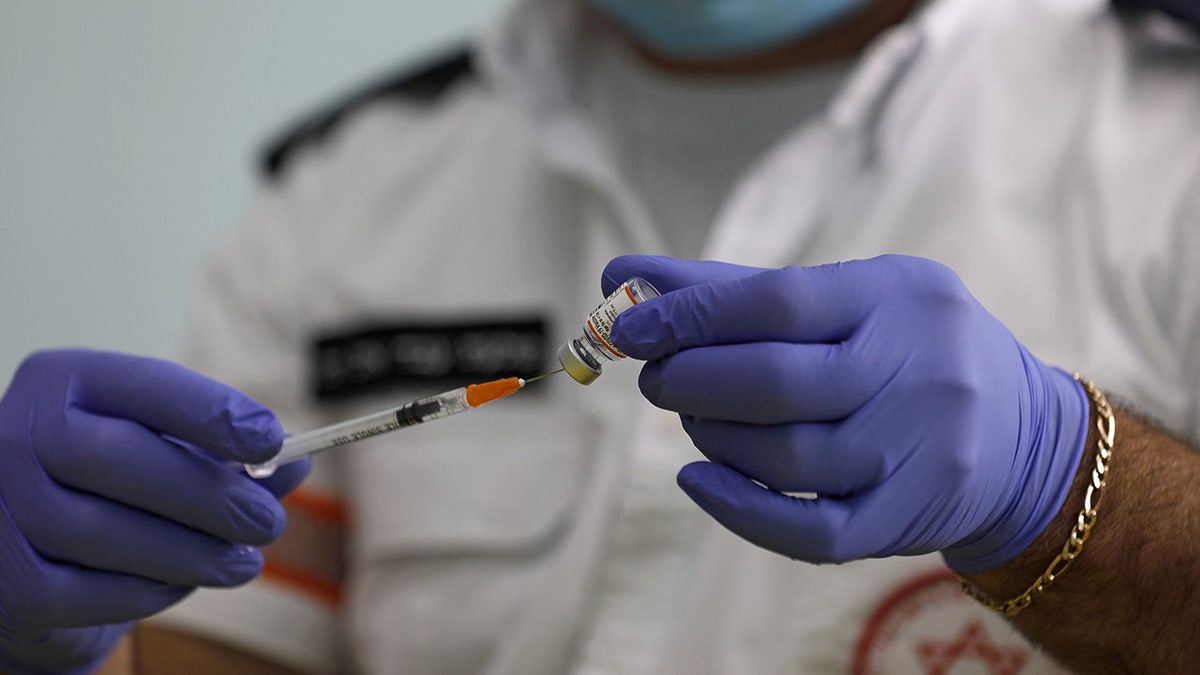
pixel 880 385
pixel 116 499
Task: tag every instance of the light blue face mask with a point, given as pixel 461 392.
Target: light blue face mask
pixel 722 28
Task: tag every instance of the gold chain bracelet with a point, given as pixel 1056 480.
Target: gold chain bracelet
pixel 1106 424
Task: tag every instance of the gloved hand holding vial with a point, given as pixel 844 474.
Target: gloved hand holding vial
pixel 880 385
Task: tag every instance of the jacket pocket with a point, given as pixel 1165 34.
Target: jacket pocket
pixel 489 481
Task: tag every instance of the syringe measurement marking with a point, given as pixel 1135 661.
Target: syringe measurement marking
pixel 360 435
pixel 406 416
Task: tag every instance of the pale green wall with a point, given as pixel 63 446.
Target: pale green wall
pixel 128 134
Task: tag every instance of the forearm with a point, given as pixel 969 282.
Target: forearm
pixel 1128 603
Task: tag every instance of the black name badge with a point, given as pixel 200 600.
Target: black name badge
pixel 446 353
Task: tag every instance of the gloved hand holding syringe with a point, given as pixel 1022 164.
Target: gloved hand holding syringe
pixel 122 545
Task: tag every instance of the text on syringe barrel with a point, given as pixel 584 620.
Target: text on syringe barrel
pixel 416 412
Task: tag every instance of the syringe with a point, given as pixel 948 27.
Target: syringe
pixel 414 412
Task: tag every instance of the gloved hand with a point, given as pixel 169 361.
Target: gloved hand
pixel 117 499
pixel 880 385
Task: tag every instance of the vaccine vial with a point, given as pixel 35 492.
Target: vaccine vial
pixel 582 357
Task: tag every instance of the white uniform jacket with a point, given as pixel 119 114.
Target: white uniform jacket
pixel 1047 150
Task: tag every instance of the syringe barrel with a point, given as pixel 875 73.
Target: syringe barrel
pixel 414 412
pixel 342 433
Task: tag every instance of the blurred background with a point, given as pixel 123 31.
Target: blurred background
pixel 129 133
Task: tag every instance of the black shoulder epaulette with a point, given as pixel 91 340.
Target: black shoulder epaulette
pixel 422 84
pixel 1186 11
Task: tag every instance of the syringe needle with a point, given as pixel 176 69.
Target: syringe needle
pixel 544 375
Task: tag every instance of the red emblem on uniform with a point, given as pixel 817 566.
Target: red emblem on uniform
pixel 972 644
pixel 927 627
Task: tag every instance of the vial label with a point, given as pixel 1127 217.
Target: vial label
pixel 600 321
